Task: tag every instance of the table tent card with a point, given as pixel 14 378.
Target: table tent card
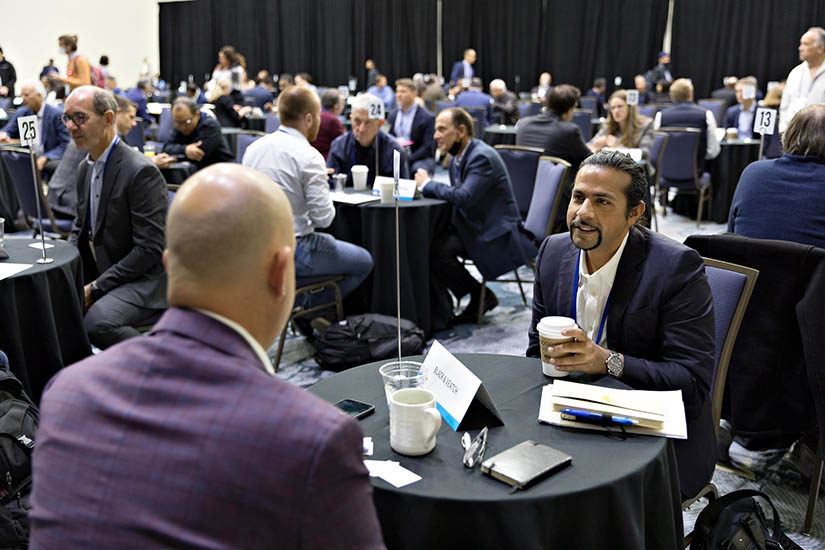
pixel 660 413
pixel 459 393
pixel 406 188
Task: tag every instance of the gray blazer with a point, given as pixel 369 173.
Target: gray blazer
pixel 129 229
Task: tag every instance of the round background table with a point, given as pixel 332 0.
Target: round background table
pixel 617 494
pixel 499 134
pixel 41 313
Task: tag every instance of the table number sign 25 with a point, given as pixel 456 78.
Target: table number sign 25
pixel 27 125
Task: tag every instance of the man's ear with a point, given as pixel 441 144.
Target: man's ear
pixel 636 212
pixel 165 259
pixel 279 270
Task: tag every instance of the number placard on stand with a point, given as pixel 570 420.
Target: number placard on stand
pixel 376 110
pixel 765 121
pixel 27 125
pixel 633 97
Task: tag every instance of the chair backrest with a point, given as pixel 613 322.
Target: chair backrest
pixel 657 150
pixel 479 115
pixel 4 103
pixel 522 163
pixel 590 103
pixel 18 163
pixel 535 108
pixel 678 162
pixel 135 136
pixel 272 123
pixel 731 286
pixel 649 110
pixel 165 125
pixel 243 141
pixel 441 105
pixel 715 106
pixel 523 109
pixel 581 118
pixel 551 177
pixel 772 148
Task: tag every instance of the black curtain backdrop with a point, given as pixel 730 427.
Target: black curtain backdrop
pixel 714 38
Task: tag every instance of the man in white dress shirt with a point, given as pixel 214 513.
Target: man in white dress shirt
pixel 806 83
pixel 299 170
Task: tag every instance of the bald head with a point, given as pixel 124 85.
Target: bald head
pixel 229 248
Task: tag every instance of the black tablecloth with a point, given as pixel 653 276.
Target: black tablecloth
pixel 724 175
pixel 373 227
pixel 616 494
pixel 42 314
pixel 9 203
pixel 176 173
pixel 496 135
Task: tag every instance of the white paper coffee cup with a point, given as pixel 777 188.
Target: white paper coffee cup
pixel 386 188
pixel 549 329
pixel 359 176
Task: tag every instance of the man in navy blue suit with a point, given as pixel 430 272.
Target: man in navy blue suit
pixel 262 93
pixel 52 136
pixel 485 221
pixel 475 97
pixel 641 301
pixel 410 122
pixel 464 68
pixel 138 95
pixel 740 116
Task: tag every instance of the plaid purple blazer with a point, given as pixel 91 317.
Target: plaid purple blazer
pixel 181 440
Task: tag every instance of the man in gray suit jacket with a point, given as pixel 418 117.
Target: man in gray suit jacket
pixel 121 208
pixel 185 439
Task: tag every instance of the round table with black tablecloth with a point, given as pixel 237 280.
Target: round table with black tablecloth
pixel 616 494
pixel 725 170
pixel 42 313
pixel 499 134
pixel 177 172
pixel 372 226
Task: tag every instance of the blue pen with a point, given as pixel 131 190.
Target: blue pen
pixel 579 415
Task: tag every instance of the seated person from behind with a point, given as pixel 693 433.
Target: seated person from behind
pixel 118 229
pixel 195 93
pixel 196 137
pixel 598 90
pixel 331 127
pixel 782 198
pixel 641 299
pixel 262 92
pixel 624 127
pixel 411 122
pixel 229 112
pixel 684 113
pixel 485 220
pixel 52 135
pixel 741 115
pixel 505 103
pixel 359 145
pixel 383 91
pixel 292 164
pixel 474 97
pixel 200 446
pixel 552 129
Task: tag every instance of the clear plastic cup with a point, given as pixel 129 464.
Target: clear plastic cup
pixel 398 375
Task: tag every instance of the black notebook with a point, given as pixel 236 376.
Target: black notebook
pixel 525 463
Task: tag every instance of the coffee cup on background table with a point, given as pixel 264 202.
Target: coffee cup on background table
pixel 549 329
pixel 359 176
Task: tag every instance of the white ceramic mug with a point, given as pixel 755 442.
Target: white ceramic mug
pixel 414 421
pixel 359 176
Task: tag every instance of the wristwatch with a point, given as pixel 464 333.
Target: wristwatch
pixel 94 290
pixel 615 364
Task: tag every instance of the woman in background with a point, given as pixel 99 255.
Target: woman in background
pixel 624 127
pixel 78 71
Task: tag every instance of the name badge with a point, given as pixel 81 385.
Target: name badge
pixel 456 389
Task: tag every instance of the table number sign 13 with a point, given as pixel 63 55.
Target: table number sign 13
pixel 765 121
pixel 27 125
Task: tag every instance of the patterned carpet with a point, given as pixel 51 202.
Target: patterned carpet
pixel 504 331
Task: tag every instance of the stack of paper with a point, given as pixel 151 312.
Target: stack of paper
pixel 392 472
pixel 659 413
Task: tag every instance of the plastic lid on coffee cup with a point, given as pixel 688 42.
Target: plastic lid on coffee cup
pixel 359 168
pixel 552 326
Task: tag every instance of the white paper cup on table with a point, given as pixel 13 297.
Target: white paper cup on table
pixel 386 188
pixel 549 329
pixel 359 176
pixel 414 421
pixel 732 133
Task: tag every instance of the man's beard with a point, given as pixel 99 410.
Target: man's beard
pixel 575 224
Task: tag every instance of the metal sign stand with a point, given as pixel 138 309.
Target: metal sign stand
pixel 396 170
pixel 44 259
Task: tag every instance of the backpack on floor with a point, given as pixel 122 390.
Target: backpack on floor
pixel 361 339
pixel 737 522
pixel 18 424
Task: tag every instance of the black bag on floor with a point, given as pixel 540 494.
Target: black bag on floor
pixel 18 423
pixel 361 339
pixel 737 522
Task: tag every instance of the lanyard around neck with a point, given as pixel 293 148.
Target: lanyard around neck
pixel 575 299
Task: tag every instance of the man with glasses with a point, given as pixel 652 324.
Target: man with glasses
pixel 196 137
pixel 118 229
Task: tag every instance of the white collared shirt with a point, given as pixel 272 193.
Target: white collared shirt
pixel 592 294
pixel 254 344
pixel 404 121
pixel 299 170
pixel 800 91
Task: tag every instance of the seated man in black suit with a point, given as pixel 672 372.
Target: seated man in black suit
pixel 52 136
pixel 505 103
pixel 196 136
pixel 552 129
pixel 485 221
pixel 641 300
pixel 740 116
pixel 121 210
pixel 684 113
pixel 409 122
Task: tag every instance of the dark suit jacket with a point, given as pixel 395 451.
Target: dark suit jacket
pixel 660 319
pixel 137 95
pixel 726 94
pixel 485 214
pixel 208 132
pixel 505 110
pixel 475 98
pixel 422 130
pixel 182 440
pixel 732 119
pixel 129 229
pixel 55 136
pixel 261 95
pixel 62 194
pixel 457 73
pixel 557 137
pixel 345 148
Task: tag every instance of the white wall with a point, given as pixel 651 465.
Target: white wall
pixel 125 30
